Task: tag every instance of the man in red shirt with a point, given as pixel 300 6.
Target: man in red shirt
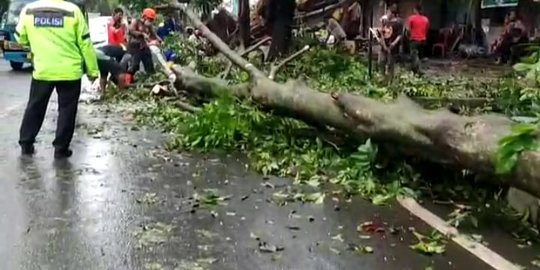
pixel 117 29
pixel 418 25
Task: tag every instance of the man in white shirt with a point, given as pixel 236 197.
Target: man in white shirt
pixel 393 8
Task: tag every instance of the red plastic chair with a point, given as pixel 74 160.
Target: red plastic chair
pixel 442 44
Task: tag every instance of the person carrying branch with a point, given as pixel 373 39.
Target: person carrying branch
pixel 390 40
pixel 141 35
pixel 144 45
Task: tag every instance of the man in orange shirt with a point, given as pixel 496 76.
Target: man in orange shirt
pixel 418 25
pixel 117 29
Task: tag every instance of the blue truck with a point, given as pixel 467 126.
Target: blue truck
pixel 13 52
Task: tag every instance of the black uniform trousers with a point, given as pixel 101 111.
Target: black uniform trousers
pixel 68 99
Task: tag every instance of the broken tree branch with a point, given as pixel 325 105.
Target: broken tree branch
pixel 470 142
pixel 243 53
pixel 275 68
pixel 181 104
pixel 256 46
pixel 186 107
pixel 220 45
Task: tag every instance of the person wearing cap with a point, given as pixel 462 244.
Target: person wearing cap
pixel 58 36
pixel 140 34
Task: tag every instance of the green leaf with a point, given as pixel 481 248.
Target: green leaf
pixel 531 75
pixel 361 250
pixel 317 198
pixel 506 163
pixel 523 128
pixel 522 67
pixel 531 59
pixel 536 262
pixel 522 138
pixel 381 199
pixel 532 48
pixel 434 244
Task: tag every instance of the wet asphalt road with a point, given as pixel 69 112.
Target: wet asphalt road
pixel 123 203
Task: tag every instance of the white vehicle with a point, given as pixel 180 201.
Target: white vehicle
pixel 98 30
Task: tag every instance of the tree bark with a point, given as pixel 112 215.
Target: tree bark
pixel 244 23
pixel 280 15
pixel 437 135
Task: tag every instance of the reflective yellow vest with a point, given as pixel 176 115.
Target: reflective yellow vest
pixel 59 39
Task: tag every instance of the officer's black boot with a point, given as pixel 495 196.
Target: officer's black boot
pixel 27 149
pixel 62 153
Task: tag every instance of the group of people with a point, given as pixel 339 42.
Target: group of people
pixel 130 45
pixel 58 35
pixel 394 30
pixel 514 33
pixel 391 34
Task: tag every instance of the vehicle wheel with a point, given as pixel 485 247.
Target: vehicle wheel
pixel 17 66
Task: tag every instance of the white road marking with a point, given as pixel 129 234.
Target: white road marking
pixel 487 255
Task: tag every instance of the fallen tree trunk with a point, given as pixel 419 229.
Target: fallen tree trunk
pixel 439 135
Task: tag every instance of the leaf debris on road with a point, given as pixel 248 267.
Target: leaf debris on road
pixel 434 243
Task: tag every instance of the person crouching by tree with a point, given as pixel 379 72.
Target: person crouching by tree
pixel 514 34
pixel 141 34
pixel 108 65
pixel 392 33
pixel 333 26
pixel 418 25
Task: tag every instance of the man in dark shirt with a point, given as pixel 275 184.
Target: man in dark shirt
pixel 141 34
pixel 108 64
pixel 392 34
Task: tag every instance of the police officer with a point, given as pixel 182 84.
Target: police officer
pixel 59 39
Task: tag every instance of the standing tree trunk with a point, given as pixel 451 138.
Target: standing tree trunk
pixel 206 11
pixel 243 23
pixel 280 15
